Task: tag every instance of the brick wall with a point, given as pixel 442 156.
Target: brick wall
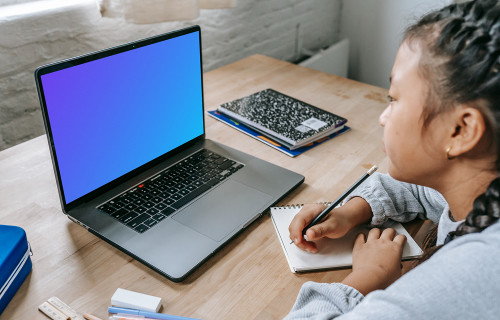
pixel 37 35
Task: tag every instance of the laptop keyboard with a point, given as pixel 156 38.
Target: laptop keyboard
pixel 148 203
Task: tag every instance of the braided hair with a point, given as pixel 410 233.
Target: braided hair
pixel 461 60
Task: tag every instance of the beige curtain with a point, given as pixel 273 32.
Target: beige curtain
pixel 154 11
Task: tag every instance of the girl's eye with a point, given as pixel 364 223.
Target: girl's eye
pixel 390 98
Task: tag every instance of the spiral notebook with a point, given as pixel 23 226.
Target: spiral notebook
pixel 332 253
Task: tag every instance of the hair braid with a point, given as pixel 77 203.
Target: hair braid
pixel 485 212
pixel 461 60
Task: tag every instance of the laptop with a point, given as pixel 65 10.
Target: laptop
pixel 126 132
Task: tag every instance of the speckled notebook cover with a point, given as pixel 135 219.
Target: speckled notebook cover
pixel 287 118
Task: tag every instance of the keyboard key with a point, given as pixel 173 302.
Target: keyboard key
pixel 156 200
pixel 165 195
pixel 138 202
pixel 134 195
pixel 176 196
pixel 172 190
pixel 168 211
pixel 148 205
pixel 197 184
pixel 179 186
pixel 213 182
pixel 161 206
pixel 130 206
pixel 125 198
pixel 150 222
pixel 159 217
pixel 121 204
pixel 225 165
pixel 141 228
pixel 220 160
pixel 152 211
pixel 120 213
pixel 191 196
pixel 107 208
pixel 168 201
pixel 114 204
pixel 137 221
pixel 140 209
pixel 128 217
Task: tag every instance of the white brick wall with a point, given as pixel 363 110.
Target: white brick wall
pixel 28 40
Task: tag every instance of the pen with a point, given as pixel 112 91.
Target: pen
pixel 148 314
pixel 121 316
pixel 323 214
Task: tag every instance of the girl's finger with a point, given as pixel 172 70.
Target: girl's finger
pixel 374 234
pixel 359 241
pixel 302 219
pixel 400 239
pixel 320 230
pixel 388 234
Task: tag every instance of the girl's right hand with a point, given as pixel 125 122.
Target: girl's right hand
pixel 336 224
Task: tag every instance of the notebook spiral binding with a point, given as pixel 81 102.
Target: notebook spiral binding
pixel 297 206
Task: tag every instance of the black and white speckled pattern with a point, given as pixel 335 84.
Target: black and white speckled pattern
pixel 281 113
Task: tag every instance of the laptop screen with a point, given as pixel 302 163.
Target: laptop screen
pixel 112 115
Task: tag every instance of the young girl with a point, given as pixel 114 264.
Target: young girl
pixel 442 139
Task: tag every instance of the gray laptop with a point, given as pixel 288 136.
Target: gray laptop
pixel 127 138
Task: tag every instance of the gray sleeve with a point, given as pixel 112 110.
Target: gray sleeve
pixel 399 201
pixel 455 283
pixel 324 301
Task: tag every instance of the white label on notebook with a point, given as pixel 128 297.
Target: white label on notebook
pixel 302 128
pixel 314 123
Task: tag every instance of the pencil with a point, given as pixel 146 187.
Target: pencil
pixel 323 214
pixel 90 317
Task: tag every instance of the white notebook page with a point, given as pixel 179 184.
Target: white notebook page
pixel 332 253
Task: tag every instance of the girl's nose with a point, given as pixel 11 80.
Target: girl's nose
pixel 383 117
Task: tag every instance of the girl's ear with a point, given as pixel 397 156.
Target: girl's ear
pixel 469 128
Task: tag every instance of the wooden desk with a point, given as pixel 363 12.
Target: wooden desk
pixel 247 279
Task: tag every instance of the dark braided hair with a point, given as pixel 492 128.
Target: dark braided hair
pixel 461 61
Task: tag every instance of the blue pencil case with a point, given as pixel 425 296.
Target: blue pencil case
pixel 15 262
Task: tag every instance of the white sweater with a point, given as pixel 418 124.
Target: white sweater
pixel 460 281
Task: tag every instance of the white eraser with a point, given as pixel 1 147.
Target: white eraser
pixel 135 300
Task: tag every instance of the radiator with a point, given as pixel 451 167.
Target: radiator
pixel 333 60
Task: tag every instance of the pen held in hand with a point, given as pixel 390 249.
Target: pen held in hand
pixel 323 214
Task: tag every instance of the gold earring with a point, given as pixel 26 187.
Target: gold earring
pixel 448 153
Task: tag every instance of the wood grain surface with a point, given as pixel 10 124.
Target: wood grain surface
pixel 249 278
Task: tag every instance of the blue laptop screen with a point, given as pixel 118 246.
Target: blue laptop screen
pixel 112 115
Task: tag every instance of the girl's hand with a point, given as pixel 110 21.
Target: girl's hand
pixel 333 226
pixel 376 262
pixel 336 224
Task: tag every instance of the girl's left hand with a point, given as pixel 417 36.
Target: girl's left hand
pixel 376 261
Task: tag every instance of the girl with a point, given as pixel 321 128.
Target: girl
pixel 442 139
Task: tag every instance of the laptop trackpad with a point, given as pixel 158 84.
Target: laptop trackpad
pixel 224 209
